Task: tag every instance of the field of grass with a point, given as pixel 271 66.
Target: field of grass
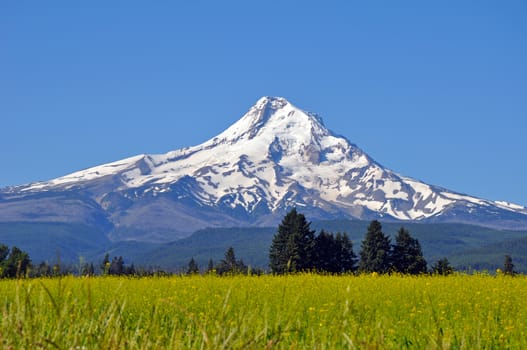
pixel 266 312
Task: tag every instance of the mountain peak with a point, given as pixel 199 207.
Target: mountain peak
pixel 271 102
pixel 274 115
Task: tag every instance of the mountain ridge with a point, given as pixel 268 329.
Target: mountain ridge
pixel 275 157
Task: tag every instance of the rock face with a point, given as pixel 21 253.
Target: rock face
pixel 275 157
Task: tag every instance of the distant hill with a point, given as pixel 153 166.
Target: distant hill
pixel 491 256
pixel 53 241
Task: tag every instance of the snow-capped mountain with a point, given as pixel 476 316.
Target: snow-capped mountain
pixel 275 157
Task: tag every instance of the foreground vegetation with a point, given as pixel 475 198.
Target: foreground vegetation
pixel 290 311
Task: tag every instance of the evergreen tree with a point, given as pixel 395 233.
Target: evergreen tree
pixel 407 254
pixel 346 258
pixel 16 264
pixel 210 266
pixel 293 245
pixel 334 253
pixel 325 257
pixel 116 266
pixel 4 252
pixel 43 270
pixel 375 250
pixel 241 267
pixel 508 266
pixel 91 270
pixel 230 259
pixel 230 265
pixel 192 267
pixel 442 267
pixel 105 264
pixel 87 269
pixel 130 270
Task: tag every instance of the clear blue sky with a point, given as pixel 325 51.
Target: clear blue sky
pixel 435 90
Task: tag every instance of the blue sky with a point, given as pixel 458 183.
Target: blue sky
pixel 435 90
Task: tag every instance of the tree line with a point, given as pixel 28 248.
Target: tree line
pixel 229 265
pixel 16 263
pixel 296 248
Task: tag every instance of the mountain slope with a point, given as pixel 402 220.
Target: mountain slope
pixel 274 158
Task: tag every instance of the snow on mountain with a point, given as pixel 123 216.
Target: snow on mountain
pixel 275 157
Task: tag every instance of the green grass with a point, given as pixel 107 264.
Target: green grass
pixel 266 312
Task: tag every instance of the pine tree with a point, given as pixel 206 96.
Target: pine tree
pixel 43 270
pixel 105 264
pixel 326 253
pixel 210 266
pixel 508 266
pixel 442 267
pixel 4 252
pixel 16 264
pixel 334 253
pixel 91 270
pixel 293 245
pixel 230 259
pixel 130 270
pixel 407 255
pixel 192 267
pixel 346 258
pixel 87 269
pixel 375 250
pixel 230 264
pixel 116 266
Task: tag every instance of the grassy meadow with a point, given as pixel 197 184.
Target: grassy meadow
pixel 267 312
